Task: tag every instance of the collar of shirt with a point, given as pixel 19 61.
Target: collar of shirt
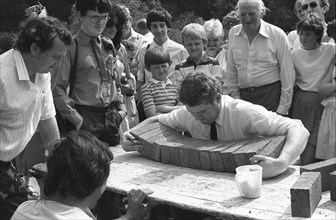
pixel 163 83
pixel 220 118
pixel 164 45
pixel 205 59
pixel 262 31
pixel 20 66
pixel 84 37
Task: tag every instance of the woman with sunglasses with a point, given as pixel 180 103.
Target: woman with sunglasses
pixel 314 65
pixel 319 8
pixel 293 35
pixel 113 30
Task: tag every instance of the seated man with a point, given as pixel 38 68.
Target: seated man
pixel 232 119
pixel 78 168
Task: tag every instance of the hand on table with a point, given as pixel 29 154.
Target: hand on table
pixel 136 209
pixel 129 143
pixel 271 166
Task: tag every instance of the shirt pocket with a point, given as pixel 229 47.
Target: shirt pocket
pixel 265 59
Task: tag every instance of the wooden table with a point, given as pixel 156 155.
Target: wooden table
pixel 210 192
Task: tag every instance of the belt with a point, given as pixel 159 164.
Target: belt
pixel 92 108
pixel 254 89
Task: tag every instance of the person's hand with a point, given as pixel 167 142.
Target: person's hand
pixel 136 209
pixel 126 89
pixel 271 166
pixel 129 143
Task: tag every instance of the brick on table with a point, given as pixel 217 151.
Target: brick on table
pixel 143 129
pixel 274 141
pixel 204 147
pixel 216 157
pixel 243 154
pixel 150 150
pixel 189 156
pixel 306 194
pixel 169 148
pixel 325 168
pixel 156 131
pixel 274 148
pixel 333 186
pixel 227 156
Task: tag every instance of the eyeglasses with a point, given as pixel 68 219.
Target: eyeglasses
pixel 311 5
pixel 96 18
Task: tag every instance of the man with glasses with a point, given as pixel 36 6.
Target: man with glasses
pixel 320 8
pixel 259 64
pixel 93 102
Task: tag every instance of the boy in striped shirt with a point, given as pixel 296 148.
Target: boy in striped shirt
pixel 159 94
pixel 195 39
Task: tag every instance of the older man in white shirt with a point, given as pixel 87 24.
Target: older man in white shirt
pixel 259 66
pixel 26 101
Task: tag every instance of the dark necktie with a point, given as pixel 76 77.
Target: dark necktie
pixel 213 132
pixel 100 60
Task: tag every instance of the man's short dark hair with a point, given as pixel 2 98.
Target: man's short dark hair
pixel 42 31
pixel 158 14
pixel 102 6
pixel 199 87
pixel 78 164
pixel 156 55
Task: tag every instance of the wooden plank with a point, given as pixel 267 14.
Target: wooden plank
pixel 325 168
pixel 274 148
pixel 306 194
pixel 227 156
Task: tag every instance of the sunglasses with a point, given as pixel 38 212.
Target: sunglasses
pixel 311 5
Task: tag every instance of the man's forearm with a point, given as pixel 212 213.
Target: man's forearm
pixel 296 140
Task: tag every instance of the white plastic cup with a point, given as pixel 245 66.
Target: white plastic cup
pixel 248 180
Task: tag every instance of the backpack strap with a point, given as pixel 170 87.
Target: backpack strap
pixel 72 74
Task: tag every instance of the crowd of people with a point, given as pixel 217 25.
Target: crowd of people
pixel 66 99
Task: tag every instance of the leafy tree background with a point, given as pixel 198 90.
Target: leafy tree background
pixel 280 11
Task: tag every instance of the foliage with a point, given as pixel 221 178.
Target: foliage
pixel 281 12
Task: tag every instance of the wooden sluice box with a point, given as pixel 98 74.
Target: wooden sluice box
pixel 166 145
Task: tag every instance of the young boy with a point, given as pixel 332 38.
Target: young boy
pixel 159 94
pixel 194 39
